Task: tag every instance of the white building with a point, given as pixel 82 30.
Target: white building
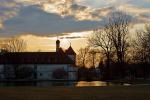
pixel 59 65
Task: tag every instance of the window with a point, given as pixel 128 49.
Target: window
pixel 41 74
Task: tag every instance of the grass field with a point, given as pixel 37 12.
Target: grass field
pixel 76 93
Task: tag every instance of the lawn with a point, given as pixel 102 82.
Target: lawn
pixel 76 93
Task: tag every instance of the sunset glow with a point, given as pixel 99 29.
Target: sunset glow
pixel 70 20
pixel 75 49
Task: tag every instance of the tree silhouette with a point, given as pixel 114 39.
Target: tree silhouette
pixel 142 45
pixel 82 56
pixel 14 45
pixel 118 27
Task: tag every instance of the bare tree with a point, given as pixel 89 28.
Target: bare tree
pixel 113 39
pixel 82 56
pixel 118 27
pixel 14 45
pixel 141 50
pixel 100 38
pixel 142 45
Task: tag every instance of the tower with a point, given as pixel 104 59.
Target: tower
pixel 71 53
pixel 57 45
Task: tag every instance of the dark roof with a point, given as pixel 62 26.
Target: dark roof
pixel 35 58
pixel 60 50
pixel 70 51
pixel 57 41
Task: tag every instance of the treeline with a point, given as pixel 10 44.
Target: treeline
pixel 123 55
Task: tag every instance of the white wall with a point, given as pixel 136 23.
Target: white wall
pixel 45 71
pixel 10 71
pixel 72 76
pixel 1 68
pixel 1 71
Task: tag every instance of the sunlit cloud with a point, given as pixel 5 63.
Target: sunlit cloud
pixel 8 9
pixel 65 8
pixel 134 9
pixel 140 14
pixel 74 8
pixel 76 11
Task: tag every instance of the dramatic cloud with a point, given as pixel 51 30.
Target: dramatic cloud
pixel 70 8
pixel 8 9
pixel 47 16
pixel 34 20
pixel 139 13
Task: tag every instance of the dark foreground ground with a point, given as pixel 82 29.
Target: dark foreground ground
pixel 76 93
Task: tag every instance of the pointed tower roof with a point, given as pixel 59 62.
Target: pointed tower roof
pixel 61 51
pixel 57 41
pixel 70 51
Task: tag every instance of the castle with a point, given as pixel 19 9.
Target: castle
pixel 59 65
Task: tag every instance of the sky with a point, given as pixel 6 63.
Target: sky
pixel 40 22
